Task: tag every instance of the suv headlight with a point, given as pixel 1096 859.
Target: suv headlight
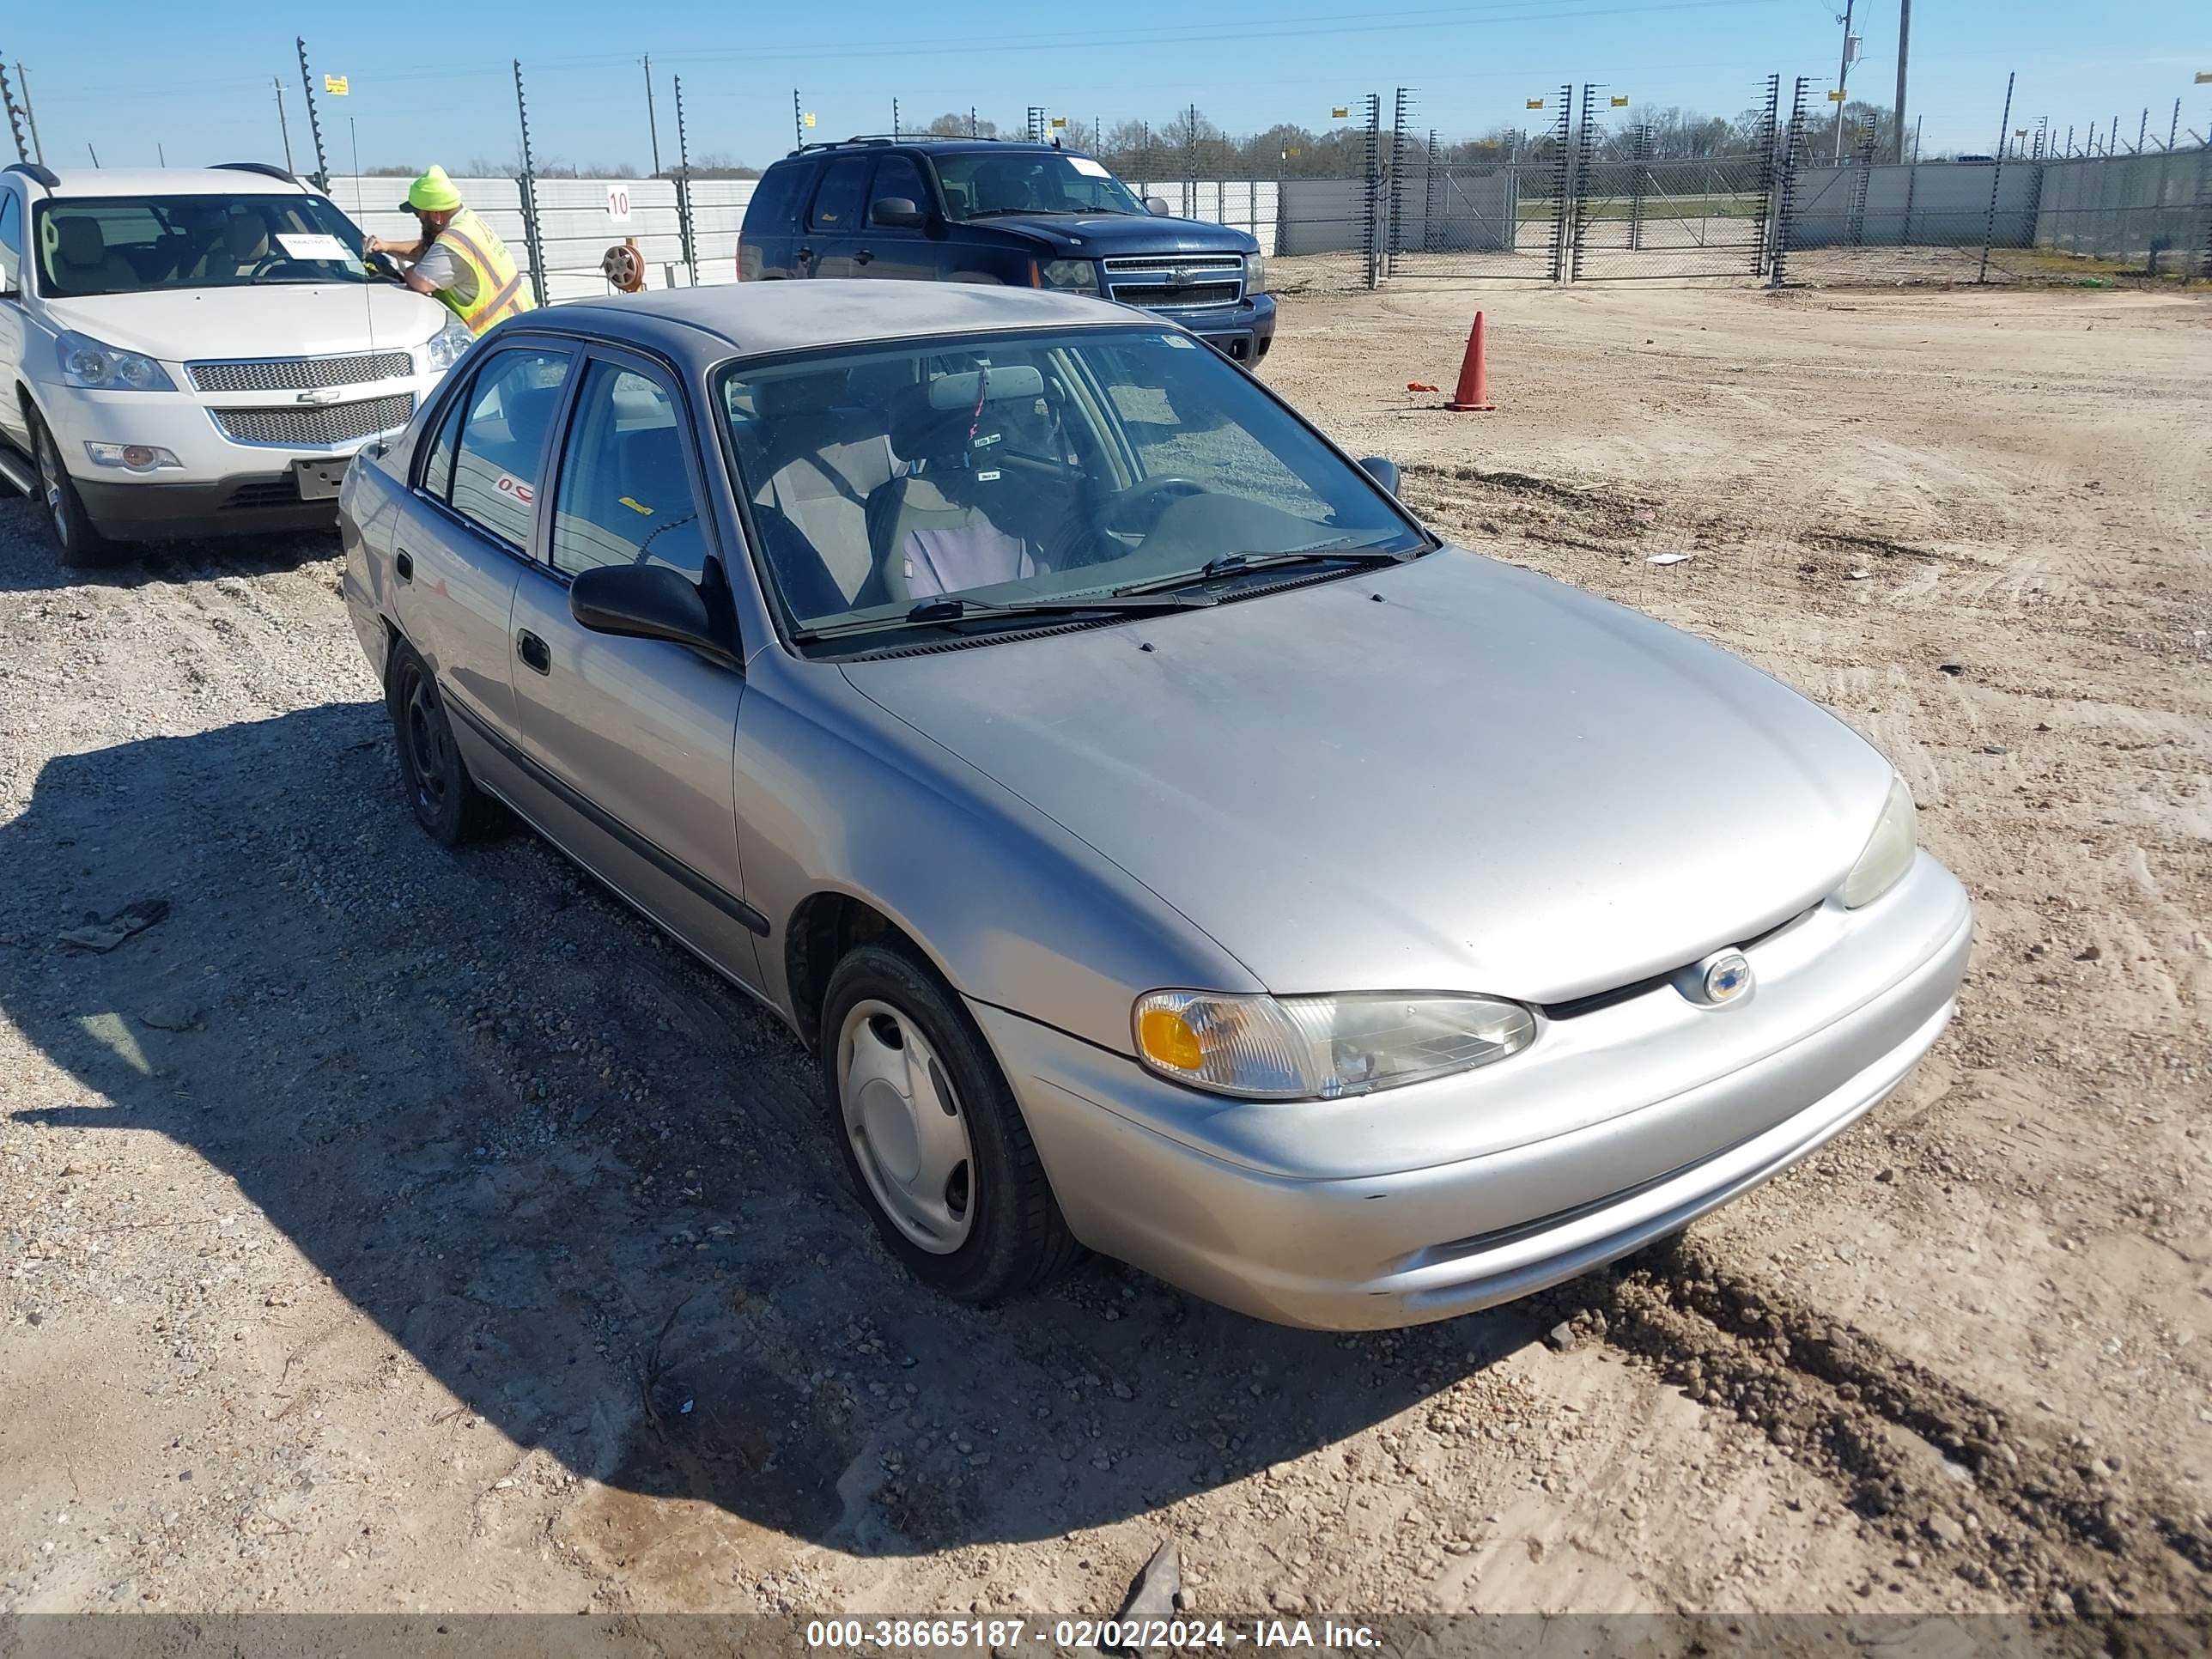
pixel 1076 275
pixel 444 349
pixel 1255 273
pixel 1888 852
pixel 86 363
pixel 1322 1047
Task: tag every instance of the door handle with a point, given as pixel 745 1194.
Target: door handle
pixel 403 565
pixel 804 255
pixel 533 651
pixel 862 257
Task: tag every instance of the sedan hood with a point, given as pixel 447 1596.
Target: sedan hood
pixel 1107 235
pixel 1450 775
pixel 277 319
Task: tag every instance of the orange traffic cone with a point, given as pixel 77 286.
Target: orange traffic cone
pixel 1473 392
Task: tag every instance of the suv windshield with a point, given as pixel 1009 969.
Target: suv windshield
pixel 1030 181
pixel 1025 473
pixel 133 244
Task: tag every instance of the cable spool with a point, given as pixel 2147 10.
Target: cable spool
pixel 624 266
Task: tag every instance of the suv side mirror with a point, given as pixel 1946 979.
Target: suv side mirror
pixel 1382 469
pixel 899 212
pixel 646 602
pixel 1157 207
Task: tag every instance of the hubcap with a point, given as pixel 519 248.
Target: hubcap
pixel 50 479
pixel 907 1128
pixel 427 741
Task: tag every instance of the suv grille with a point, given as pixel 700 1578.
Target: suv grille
pixel 301 374
pixel 332 423
pixel 1170 282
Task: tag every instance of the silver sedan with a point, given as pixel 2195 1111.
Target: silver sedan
pixel 1167 845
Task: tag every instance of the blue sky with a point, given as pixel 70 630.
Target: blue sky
pixel 127 78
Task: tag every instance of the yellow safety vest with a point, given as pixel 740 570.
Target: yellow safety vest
pixel 500 292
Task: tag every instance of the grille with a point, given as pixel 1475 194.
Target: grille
pixel 1207 262
pixel 301 374
pixel 1168 296
pixel 281 492
pixel 332 423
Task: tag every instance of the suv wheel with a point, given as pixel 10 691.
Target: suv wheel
pixel 933 1137
pixel 79 543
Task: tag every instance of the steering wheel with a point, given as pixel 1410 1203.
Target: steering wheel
pixel 268 262
pixel 384 265
pixel 1082 539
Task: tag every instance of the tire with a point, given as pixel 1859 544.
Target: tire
pixel 73 534
pixel 444 797
pixel 976 1221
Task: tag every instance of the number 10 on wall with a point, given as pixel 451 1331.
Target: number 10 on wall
pixel 619 203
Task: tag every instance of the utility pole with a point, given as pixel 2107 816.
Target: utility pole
pixel 283 125
pixel 1843 76
pixel 652 121
pixel 1904 35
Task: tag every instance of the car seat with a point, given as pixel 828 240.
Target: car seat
pixel 939 529
pixel 820 462
pixel 79 260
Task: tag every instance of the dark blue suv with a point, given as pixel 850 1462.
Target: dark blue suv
pixel 987 210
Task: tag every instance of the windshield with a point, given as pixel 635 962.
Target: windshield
pixel 135 244
pixel 1029 470
pixel 1030 181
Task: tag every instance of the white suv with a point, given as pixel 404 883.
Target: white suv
pixel 196 352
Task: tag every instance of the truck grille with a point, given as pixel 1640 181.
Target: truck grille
pixel 301 373
pixel 332 423
pixel 1169 282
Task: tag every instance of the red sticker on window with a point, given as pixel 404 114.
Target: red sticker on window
pixel 508 484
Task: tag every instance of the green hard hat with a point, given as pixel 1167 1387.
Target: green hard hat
pixel 433 192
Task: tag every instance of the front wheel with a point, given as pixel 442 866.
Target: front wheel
pixel 931 1136
pixel 80 545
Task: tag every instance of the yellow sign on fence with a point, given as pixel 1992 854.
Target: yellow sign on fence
pixel 335 85
pixel 807 119
pixel 1340 113
pixel 1835 97
pixel 1535 103
pixel 1618 103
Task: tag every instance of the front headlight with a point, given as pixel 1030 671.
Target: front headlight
pixel 1888 852
pixel 1076 276
pixel 1255 273
pixel 1322 1047
pixel 444 349
pixel 86 363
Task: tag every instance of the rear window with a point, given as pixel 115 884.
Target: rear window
pixel 775 199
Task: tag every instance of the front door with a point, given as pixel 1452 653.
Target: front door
pixel 631 743
pixel 902 252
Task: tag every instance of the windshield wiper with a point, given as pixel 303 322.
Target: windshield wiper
pixel 1046 213
pixel 935 612
pixel 1235 564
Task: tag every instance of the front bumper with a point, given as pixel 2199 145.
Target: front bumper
pixel 1243 332
pixel 254 504
pixel 1209 1195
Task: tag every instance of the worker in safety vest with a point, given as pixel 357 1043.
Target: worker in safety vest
pixel 458 261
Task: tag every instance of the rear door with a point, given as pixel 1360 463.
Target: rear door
pixel 768 243
pixel 465 530
pixel 832 238
pixel 629 745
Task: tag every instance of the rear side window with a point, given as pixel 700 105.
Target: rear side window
pixel 625 496
pixel 502 452
pixel 837 203
pixel 775 199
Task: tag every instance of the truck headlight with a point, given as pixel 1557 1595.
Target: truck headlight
pixel 1255 273
pixel 86 363
pixel 1888 852
pixel 1075 275
pixel 1322 1047
pixel 445 348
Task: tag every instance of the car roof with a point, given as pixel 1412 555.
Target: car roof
pixel 703 325
pixel 86 184
pixel 936 146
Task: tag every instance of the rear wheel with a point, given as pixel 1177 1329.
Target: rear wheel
pixel 444 799
pixel 931 1136
pixel 80 545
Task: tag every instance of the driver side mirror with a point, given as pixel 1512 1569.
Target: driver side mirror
pixel 1158 208
pixel 647 601
pixel 1382 469
pixel 898 212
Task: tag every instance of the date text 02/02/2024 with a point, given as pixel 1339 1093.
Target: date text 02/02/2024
pixel 894 1636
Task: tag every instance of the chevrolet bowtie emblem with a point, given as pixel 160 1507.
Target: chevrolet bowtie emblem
pixel 321 394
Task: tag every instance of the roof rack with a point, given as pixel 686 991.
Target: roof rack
pixel 913 138
pixel 32 170
pixel 267 169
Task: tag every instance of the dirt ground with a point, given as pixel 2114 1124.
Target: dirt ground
pixel 384 1229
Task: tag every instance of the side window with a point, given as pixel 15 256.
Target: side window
pixel 837 203
pixel 502 441
pixel 897 176
pixel 438 470
pixel 11 239
pixel 773 206
pixel 624 495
